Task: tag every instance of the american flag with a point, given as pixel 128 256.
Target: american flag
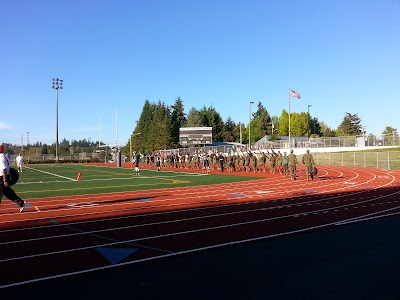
pixel 294 94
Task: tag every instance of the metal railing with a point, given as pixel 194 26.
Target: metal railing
pixel 389 160
pixel 49 158
pixel 327 142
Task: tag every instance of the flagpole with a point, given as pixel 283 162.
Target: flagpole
pixel 297 95
pixel 289 120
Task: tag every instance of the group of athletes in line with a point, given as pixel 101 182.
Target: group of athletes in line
pixel 233 161
pixel 282 163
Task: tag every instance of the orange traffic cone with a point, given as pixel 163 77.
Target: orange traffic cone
pixel 79 177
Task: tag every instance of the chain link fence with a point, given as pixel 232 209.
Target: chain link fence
pixel 327 142
pixel 389 160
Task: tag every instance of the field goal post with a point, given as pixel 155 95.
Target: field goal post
pixel 115 152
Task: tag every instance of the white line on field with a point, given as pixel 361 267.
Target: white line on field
pixel 53 174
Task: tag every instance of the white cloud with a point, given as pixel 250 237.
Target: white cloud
pixel 4 126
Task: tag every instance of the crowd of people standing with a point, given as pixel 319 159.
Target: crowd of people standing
pixel 247 161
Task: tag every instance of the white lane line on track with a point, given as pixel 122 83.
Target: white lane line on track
pixel 175 199
pixel 370 216
pixel 197 192
pixel 86 197
pixel 325 210
pixel 150 237
pixel 186 251
pixel 169 255
pixel 239 204
pixel 214 201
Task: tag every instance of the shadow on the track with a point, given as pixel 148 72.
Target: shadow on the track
pixel 95 203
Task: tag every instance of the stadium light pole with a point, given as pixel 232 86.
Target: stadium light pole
pixel 57 84
pixel 251 102
pixel 240 132
pixel 308 120
pixel 130 144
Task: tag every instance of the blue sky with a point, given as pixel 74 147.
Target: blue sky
pixel 341 56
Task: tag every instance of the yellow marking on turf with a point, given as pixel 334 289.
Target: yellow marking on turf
pixel 180 181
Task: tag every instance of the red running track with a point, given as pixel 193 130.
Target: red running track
pixel 64 236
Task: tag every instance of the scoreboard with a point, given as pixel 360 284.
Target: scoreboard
pixel 195 136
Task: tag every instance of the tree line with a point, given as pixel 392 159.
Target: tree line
pixel 158 128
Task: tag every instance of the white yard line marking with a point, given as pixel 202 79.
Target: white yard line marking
pixel 53 174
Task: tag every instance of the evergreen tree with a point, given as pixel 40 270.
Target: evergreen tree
pixel 256 130
pixel 263 120
pixel 44 149
pixel 194 118
pixel 178 120
pixel 351 125
pixel 211 118
pixel 230 134
pixel 316 129
pixel 389 130
pixel 159 137
pixel 390 135
pixel 141 142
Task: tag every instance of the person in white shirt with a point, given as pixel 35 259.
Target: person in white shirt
pixel 20 161
pixel 5 181
pixel 136 159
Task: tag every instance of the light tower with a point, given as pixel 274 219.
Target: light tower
pixel 57 84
